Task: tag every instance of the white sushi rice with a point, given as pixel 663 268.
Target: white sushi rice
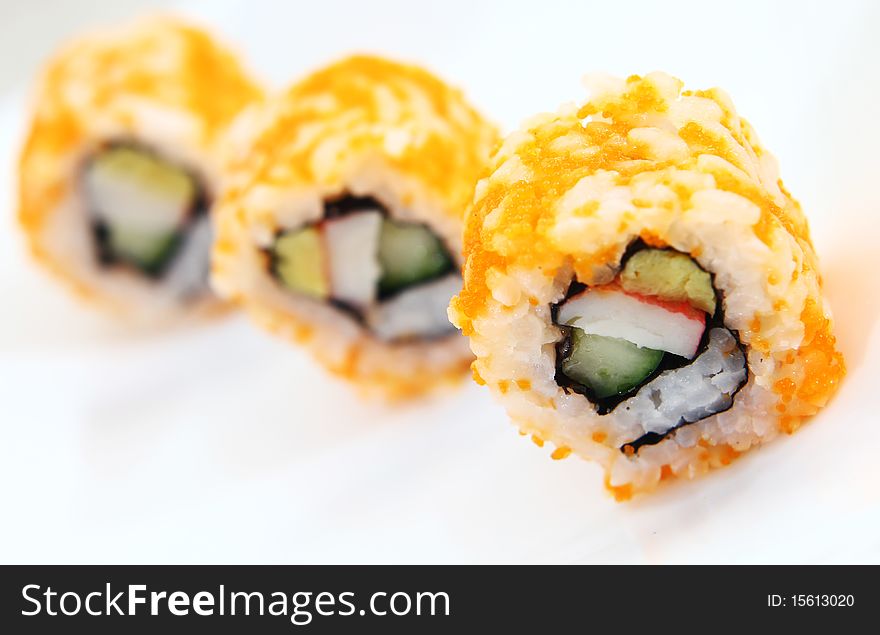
pixel 416 312
pixel 354 239
pixel 365 127
pixel 332 334
pixel 516 339
pixel 687 394
pixel 143 85
pixel 189 272
pixel 68 236
pixel 678 195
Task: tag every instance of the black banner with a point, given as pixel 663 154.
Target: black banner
pixel 313 599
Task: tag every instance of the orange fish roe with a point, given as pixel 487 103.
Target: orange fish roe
pixel 822 365
pixel 167 63
pixel 350 98
pixel 785 387
pixel 727 454
pixel 621 493
pixel 525 206
pixel 476 375
pixel 564 198
pixel 160 83
pixel 365 126
pixel 560 453
pixel 653 240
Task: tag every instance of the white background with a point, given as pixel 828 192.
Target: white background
pixel 221 444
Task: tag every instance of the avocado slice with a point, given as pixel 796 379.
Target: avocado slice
pixel 141 169
pixel 669 275
pixel 608 366
pixel 299 262
pixel 409 253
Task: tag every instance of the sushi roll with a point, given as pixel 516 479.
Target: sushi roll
pixel 119 170
pixel 639 287
pixel 341 224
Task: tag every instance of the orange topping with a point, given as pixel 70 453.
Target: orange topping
pixel 346 104
pixel 785 386
pixel 788 424
pixel 559 190
pixel 620 492
pixel 476 374
pixel 163 63
pixel 825 366
pixel 362 110
pixel 727 454
pixel 560 453
pixel 653 240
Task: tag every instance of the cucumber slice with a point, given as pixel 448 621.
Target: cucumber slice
pixel 669 275
pixel 146 170
pixel 141 204
pixel 409 253
pixel 299 262
pixel 608 366
pixel 150 252
pixel 132 187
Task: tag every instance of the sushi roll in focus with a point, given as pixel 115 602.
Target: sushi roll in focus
pixel 341 224
pixel 119 171
pixel 639 287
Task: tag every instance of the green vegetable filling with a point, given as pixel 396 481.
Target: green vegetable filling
pixel 669 275
pixel 408 254
pixel 148 252
pixel 608 366
pixel 299 262
pixel 147 172
pixel 141 204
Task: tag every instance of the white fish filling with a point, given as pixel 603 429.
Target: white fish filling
pixel 416 312
pixel 352 243
pixel 188 275
pixel 683 395
pixel 145 205
pixel 397 278
pixel 133 190
pixel 620 315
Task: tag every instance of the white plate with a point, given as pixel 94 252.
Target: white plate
pixel 222 444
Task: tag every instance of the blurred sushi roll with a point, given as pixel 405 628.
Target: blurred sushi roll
pixel 639 287
pixel 341 226
pixel 119 171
